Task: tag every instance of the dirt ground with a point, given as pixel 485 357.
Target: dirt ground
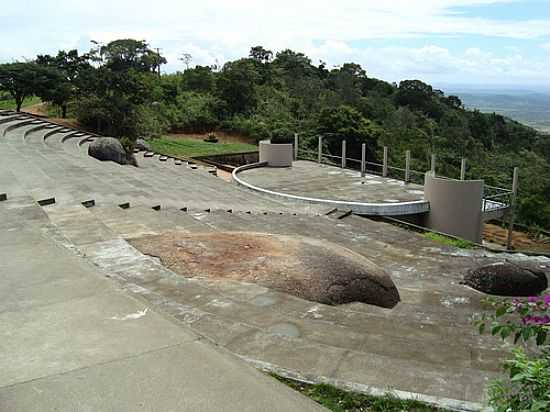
pixel 41 109
pixel 520 240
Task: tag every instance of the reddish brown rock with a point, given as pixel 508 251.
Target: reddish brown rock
pixel 308 268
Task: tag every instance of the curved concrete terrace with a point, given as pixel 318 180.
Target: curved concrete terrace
pixel 332 186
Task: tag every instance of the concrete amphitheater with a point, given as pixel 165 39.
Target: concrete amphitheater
pixel 91 323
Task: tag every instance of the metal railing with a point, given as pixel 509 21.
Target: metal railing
pixel 494 198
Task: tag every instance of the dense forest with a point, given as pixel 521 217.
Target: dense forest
pixel 117 89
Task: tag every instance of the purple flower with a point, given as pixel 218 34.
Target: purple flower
pixel 532 299
pixel 546 300
pixel 536 320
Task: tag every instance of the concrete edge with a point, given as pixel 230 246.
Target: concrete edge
pixel 447 403
pixel 361 208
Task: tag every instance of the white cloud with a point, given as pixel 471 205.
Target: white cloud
pixel 222 30
pixel 545 46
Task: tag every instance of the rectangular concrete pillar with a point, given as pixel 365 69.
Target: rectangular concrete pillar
pixel 363 159
pixel 432 164
pixel 344 154
pixel 320 150
pixel 295 146
pixel 407 166
pixel 385 162
pixel 463 169
pixel 515 181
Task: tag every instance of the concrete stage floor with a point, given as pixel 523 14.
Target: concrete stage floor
pixel 309 179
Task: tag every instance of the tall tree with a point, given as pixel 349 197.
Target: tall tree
pixel 126 54
pixel 19 80
pixel 68 69
pixel 260 54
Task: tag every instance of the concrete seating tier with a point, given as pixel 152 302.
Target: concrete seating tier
pixel 58 258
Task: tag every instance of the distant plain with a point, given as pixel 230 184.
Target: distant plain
pixel 529 107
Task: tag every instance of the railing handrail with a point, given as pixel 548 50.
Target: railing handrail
pixel 490 192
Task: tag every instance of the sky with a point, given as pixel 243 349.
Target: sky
pixel 478 43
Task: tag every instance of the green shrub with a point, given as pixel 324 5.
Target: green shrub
pixel 527 387
pixel 211 138
pixel 127 144
pixel 193 113
pixel 448 241
pixel 282 136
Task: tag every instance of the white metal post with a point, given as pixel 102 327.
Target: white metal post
pixel 320 150
pixel 515 182
pixel 385 163
pixel 343 154
pixel 407 166
pixel 295 146
pixel 363 159
pixel 463 169
pixel 433 164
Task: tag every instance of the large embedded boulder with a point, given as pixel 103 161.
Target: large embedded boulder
pixel 507 279
pixel 315 270
pixel 108 148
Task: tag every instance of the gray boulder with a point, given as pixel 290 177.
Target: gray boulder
pixel 142 145
pixel 507 279
pixel 108 148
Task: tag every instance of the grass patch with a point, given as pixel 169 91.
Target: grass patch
pixel 193 148
pixel 7 103
pixel 338 400
pixel 448 241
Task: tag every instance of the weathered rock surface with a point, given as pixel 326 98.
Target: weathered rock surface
pixel 507 279
pixel 308 268
pixel 108 148
pixel 142 144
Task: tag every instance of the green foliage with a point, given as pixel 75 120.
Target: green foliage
pixel 527 388
pixel 337 400
pixel 129 54
pixel 524 319
pixel 8 103
pixel 345 122
pixel 448 241
pixel 20 80
pixel 528 383
pixel 237 84
pixel 192 112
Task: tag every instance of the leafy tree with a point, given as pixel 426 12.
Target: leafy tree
pixel 413 93
pixel 347 123
pixel 51 86
pixel 199 79
pixel 65 71
pixel 126 54
pixel 236 85
pixel 19 80
pixel 261 55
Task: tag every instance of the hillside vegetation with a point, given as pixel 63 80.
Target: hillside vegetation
pixel 115 89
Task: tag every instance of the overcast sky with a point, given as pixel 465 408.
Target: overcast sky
pixel 483 42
